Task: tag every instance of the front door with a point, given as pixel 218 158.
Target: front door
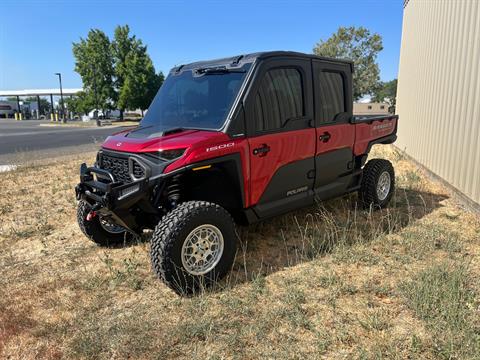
pixel 281 137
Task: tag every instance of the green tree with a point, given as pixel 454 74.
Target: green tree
pixel 386 92
pixel 94 63
pixel 117 74
pixel 154 82
pixel 122 45
pixel 141 82
pixel 81 103
pixel 360 46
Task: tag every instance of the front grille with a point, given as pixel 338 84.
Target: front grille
pixel 118 166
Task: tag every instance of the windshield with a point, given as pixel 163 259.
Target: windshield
pixel 190 100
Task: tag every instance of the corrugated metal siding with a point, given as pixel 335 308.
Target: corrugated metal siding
pixel 438 97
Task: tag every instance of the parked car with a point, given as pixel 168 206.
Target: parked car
pixel 108 114
pixel 6 110
pixel 227 141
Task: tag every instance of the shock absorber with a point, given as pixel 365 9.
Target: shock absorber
pixel 174 191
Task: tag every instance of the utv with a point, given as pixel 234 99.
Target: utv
pixel 227 141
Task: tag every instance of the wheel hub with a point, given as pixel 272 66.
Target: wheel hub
pixel 383 185
pixel 109 226
pixel 202 249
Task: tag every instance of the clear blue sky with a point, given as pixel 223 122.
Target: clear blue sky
pixel 36 36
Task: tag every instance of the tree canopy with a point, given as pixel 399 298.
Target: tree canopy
pixel 137 81
pixel 386 92
pixel 115 74
pixel 81 103
pixel 93 61
pixel 360 46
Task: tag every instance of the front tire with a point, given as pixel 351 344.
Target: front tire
pixel 378 183
pixel 99 230
pixel 193 246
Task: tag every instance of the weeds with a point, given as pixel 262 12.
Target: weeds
pixel 412 179
pixel 5 208
pixel 327 281
pixel 375 320
pixel 442 296
pixel 126 273
pixel 421 241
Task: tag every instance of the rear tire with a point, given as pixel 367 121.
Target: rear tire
pixel 193 246
pixel 94 230
pixel 378 184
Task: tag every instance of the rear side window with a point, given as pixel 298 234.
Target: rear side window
pixel 331 95
pixel 279 99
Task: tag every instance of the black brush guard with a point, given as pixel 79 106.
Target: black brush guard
pixel 110 198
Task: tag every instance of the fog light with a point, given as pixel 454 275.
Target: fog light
pixel 128 191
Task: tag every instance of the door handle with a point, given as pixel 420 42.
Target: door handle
pixel 325 137
pixel 261 151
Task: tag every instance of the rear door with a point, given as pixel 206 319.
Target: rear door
pixel 335 135
pixel 281 136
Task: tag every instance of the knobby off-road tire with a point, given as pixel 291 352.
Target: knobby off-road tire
pixel 186 233
pixel 95 231
pixel 378 184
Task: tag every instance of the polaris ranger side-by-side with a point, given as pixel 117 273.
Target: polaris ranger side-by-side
pixel 232 140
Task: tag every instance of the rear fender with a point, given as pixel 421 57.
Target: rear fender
pixel 371 131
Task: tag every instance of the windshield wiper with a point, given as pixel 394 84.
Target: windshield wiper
pixel 217 70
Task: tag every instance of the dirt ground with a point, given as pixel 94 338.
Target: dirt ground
pixel 330 281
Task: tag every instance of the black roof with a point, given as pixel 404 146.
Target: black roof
pixel 249 58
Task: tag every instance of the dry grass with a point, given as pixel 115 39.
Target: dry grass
pixel 330 281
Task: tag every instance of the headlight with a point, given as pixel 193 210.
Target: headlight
pixel 168 155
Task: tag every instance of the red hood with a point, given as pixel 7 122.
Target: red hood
pixel 181 140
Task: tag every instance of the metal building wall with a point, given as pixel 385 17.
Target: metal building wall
pixel 438 97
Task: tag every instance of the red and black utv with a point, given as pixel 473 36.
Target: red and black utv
pixel 227 141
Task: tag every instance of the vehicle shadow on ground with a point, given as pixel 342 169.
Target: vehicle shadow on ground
pixel 310 233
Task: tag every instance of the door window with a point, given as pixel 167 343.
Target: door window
pixel 279 99
pixel 331 95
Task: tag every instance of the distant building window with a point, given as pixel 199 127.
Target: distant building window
pixel 369 107
pixel 382 107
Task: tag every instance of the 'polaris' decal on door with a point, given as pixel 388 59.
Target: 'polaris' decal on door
pixel 220 147
pixel 296 191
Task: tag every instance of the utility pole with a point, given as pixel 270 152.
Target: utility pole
pixel 61 97
pixel 95 112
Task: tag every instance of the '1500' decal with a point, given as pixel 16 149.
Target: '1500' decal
pixel 220 147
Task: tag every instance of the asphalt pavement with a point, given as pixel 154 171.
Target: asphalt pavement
pixel 27 139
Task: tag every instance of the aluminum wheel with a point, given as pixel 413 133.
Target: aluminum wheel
pixel 202 249
pixel 110 227
pixel 383 185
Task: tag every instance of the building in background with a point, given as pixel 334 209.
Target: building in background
pixel 438 96
pixel 370 109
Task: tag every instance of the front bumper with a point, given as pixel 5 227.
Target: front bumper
pixel 112 199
